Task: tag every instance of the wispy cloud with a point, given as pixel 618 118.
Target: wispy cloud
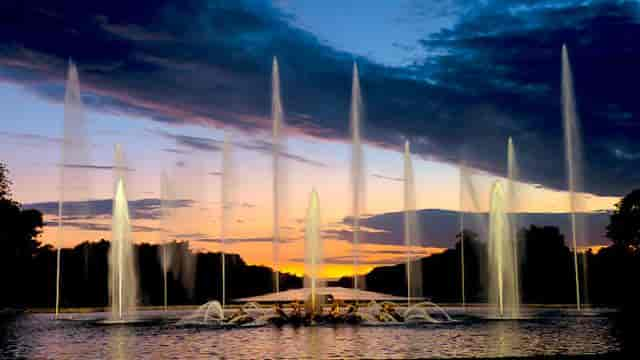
pixel 238 240
pixel 140 209
pixel 390 178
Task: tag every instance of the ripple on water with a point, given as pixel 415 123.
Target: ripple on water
pixel 36 336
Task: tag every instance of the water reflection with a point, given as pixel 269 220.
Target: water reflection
pixel 121 341
pixel 36 336
pixel 504 333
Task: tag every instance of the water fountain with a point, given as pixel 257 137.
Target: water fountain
pixel 464 175
pixel 312 255
pixel 503 288
pixel 225 212
pixel 123 277
pixel 277 116
pixel 411 232
pixel 167 198
pixel 573 152
pixel 74 174
pixel 512 196
pixel 357 171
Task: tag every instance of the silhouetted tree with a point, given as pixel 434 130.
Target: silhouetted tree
pixel 546 266
pixel 474 265
pixel 19 230
pixel 624 228
pixel 5 182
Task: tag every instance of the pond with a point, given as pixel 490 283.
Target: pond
pixel 546 332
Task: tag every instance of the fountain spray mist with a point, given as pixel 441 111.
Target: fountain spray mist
pixel 123 276
pixel 357 171
pixel 277 116
pixel 166 215
pixel 411 236
pixel 464 175
pixel 74 176
pixel 503 289
pixel 513 206
pixel 573 152
pixel 312 250
pixel 226 184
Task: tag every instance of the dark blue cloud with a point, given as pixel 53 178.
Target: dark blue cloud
pixel 438 228
pixel 494 74
pixel 73 210
pixel 504 57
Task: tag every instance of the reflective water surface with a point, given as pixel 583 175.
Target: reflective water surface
pixel 550 332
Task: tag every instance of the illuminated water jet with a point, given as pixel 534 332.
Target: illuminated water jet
pixel 573 152
pixel 167 213
pixel 123 284
pixel 312 254
pixel 225 192
pixel 74 173
pixel 357 171
pixel 411 237
pixel 503 288
pixel 277 116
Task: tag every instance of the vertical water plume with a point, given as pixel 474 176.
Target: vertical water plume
pixel 74 174
pixel 123 282
pixel 464 175
pixel 503 288
pixel 312 250
pixel 167 199
pixel 411 235
pixel 357 171
pixel 573 153
pixel 226 184
pixel 277 116
pixel 513 207
pixel 473 220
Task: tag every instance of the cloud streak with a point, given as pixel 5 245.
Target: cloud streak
pixel 144 209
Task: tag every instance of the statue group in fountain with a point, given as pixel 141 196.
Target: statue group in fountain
pixel 251 314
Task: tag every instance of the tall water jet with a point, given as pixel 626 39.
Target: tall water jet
pixel 573 153
pixel 123 289
pixel 411 234
pixel 167 199
pixel 277 116
pixel 464 175
pixel 502 282
pixel 74 173
pixel 225 192
pixel 512 203
pixel 357 171
pixel 312 252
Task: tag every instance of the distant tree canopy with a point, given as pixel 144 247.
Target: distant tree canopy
pixel 624 228
pixel 5 183
pixel 19 230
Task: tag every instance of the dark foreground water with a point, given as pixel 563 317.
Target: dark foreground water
pixel 551 332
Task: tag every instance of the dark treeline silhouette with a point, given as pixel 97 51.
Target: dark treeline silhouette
pixel 84 275
pixel 28 268
pixel 546 272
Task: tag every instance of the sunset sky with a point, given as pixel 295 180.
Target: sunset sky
pixel 167 78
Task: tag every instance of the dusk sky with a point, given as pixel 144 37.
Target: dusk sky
pixel 167 78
